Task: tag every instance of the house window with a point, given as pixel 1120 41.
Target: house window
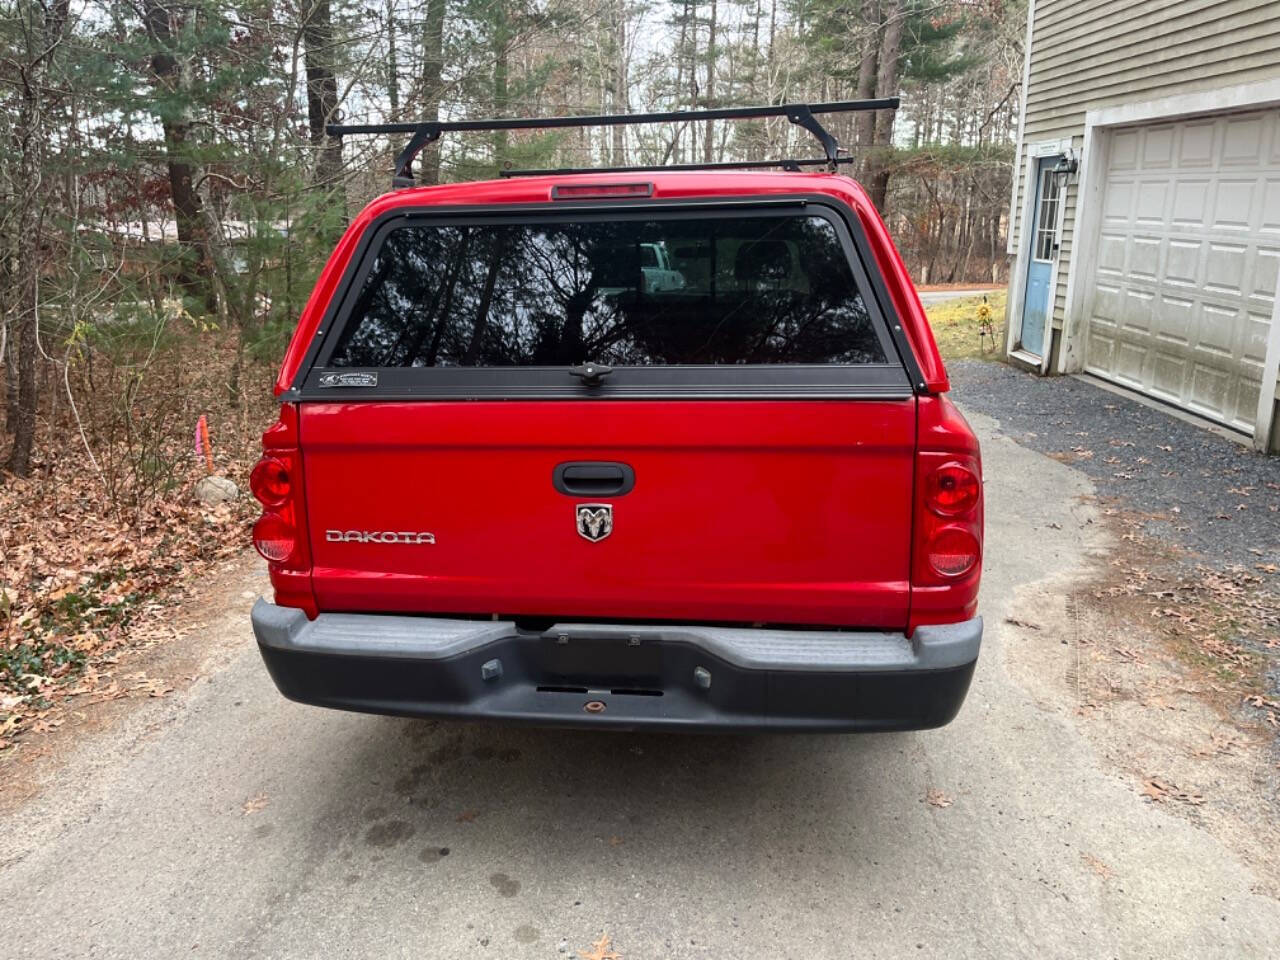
pixel 1046 216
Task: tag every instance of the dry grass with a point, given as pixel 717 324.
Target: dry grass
pixel 955 326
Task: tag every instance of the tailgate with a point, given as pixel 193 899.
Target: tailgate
pixel 751 401
pixel 770 512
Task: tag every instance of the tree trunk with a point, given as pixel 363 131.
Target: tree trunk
pixel 322 102
pixel 500 93
pixel 619 103
pixel 886 86
pixel 709 98
pixel 865 122
pixel 26 344
pixel 32 146
pixel 11 378
pixel 432 72
pixel 174 76
pixel 10 247
pixel 393 65
pixel 677 147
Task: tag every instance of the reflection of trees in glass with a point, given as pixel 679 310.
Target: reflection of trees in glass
pixel 749 291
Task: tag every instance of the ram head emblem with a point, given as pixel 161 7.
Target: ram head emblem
pixel 595 521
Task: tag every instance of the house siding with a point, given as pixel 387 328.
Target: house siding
pixel 1096 53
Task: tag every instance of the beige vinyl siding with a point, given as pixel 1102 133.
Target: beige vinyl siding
pixel 1097 53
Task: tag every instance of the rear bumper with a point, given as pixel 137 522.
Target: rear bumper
pixel 664 677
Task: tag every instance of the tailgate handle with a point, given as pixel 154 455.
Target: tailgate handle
pixel 585 478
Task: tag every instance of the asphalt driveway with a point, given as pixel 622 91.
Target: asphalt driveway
pixel 224 821
pixel 1215 498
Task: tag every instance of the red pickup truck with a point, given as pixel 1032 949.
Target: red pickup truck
pixel 515 478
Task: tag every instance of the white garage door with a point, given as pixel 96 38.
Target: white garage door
pixel 1187 259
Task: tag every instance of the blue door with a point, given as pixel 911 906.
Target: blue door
pixel 1044 248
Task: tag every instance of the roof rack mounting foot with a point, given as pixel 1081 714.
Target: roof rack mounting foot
pixel 802 116
pixel 403 175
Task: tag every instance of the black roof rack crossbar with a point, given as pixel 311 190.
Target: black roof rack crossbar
pixel 801 114
pixel 792 165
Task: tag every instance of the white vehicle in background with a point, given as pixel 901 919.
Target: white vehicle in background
pixel 655 266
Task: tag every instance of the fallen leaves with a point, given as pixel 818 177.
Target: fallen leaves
pixel 1180 615
pixel 1221 649
pixel 600 950
pixel 936 798
pixel 466 816
pixel 254 804
pixel 1222 614
pixel 1270 708
pixel 44 723
pixel 91 562
pixel 1220 744
pixel 1133 656
pixel 151 686
pixel 1022 623
pixel 1097 866
pixel 1158 791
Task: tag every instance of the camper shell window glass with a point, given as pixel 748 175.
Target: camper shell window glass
pixel 716 290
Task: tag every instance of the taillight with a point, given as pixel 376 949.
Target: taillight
pixel 947 539
pixel 276 534
pixel 953 552
pixel 948 525
pixel 280 534
pixel 270 482
pixel 952 490
pixel 274 537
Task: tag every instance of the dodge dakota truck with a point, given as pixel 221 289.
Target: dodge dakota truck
pixel 514 478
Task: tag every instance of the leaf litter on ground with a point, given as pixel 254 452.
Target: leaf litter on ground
pixel 90 571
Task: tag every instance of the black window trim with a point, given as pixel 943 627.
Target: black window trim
pixel 898 378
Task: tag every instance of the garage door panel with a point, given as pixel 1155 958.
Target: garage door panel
pixel 1175 320
pixel 1124 150
pixel 1210 391
pixel 1216 332
pixel 1270 205
pixel 1118 207
pixel 1196 145
pixel 1101 351
pixel 1168 375
pixel 1266 272
pixel 1157 148
pixel 1107 308
pixel 1182 263
pixel 1254 351
pixel 1136 312
pixel 1245 406
pixel 1111 252
pixel 1224 268
pixel 1242 145
pixel 1144 257
pixel 1149 210
pixel 1191 202
pixel 1234 207
pixel 1187 259
pixel 1130 358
